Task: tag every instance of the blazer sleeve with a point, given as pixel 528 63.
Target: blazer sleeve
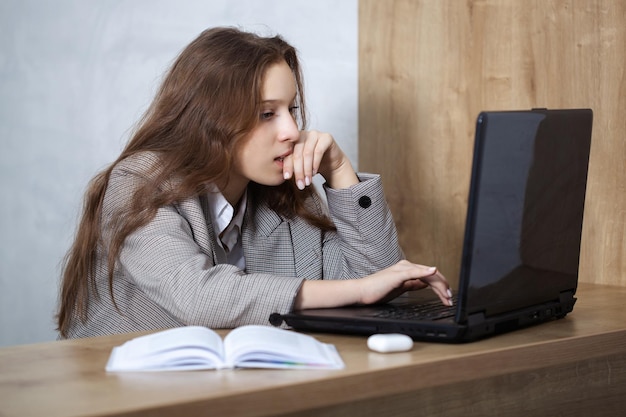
pixel 366 237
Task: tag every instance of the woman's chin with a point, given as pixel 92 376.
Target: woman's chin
pixel 271 182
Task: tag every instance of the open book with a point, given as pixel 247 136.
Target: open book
pixel 196 347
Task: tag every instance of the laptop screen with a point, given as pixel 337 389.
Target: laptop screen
pixel 525 213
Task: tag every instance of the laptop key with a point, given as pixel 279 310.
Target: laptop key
pixel 428 311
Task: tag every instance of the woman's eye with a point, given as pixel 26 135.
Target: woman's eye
pixel 267 115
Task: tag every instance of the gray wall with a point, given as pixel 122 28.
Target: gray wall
pixel 74 78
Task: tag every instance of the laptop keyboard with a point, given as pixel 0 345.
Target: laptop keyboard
pixel 433 310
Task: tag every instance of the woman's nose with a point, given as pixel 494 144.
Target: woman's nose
pixel 289 130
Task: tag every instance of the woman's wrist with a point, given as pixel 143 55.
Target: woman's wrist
pixel 327 293
pixel 342 177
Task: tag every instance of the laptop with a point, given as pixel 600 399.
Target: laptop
pixel 521 246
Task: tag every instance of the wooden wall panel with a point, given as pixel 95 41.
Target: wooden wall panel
pixel 427 68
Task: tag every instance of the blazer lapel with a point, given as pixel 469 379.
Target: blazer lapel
pixel 267 243
pixel 204 233
pixel 307 241
pixel 277 246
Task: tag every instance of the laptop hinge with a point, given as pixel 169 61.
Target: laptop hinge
pixel 475 319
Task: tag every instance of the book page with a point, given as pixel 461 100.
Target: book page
pixel 183 348
pixel 269 347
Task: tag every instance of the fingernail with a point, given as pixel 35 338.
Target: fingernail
pixel 307 181
pixel 287 175
pixel 300 185
pixel 449 293
pixel 432 269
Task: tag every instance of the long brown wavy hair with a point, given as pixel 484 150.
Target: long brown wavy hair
pixel 208 102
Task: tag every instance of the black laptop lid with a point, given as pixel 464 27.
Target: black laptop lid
pixel 524 221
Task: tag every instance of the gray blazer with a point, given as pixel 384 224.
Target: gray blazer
pixel 169 274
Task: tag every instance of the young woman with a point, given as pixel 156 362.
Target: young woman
pixel 208 216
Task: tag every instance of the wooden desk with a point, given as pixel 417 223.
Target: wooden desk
pixel 574 366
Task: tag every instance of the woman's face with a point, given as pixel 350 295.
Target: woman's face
pixel 260 156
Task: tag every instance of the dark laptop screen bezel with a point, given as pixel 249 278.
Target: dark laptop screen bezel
pixel 582 119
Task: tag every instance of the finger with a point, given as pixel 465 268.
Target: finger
pixel 418 276
pixel 324 142
pixel 288 167
pixel 310 153
pixel 298 162
pixel 440 286
pixel 413 271
pixel 414 285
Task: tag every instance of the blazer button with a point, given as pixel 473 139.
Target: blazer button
pixel 365 201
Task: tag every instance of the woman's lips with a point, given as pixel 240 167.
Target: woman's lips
pixel 282 157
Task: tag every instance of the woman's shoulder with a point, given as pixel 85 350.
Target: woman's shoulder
pixel 132 173
pixel 130 176
pixel 141 163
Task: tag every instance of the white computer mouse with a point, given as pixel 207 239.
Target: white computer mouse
pixel 390 342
